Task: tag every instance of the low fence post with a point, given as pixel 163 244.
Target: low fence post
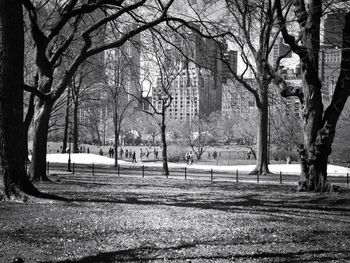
pixel 237 175
pixel 211 174
pixel 118 169
pixel 280 177
pixel 93 169
pixel 143 171
pixel 73 168
pixel 185 173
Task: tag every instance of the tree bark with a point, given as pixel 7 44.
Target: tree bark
pixel 41 126
pixel 12 149
pixel 66 123
pixel 75 125
pixel 164 145
pixel 262 157
pixel 116 133
pixel 318 125
pixel 27 121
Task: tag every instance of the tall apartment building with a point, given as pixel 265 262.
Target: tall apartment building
pixel 333 29
pixel 329 69
pixel 330 53
pixel 197 89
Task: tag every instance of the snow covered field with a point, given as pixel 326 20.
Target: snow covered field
pixel 83 158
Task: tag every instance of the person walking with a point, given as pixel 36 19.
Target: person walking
pixel 134 157
pixel 112 152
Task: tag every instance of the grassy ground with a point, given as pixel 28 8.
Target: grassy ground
pixel 114 219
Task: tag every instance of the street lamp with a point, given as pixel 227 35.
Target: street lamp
pixel 70 149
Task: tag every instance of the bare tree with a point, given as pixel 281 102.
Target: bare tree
pixel 251 27
pixel 120 69
pixel 168 69
pixel 15 181
pixel 318 124
pixel 200 134
pixel 56 28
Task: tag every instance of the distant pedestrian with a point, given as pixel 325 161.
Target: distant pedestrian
pixel 112 152
pixel 147 153
pixel 100 152
pixel 126 153
pixel 134 157
pixel 190 158
pixel 187 157
pixel 81 149
pixel 121 152
pixel 156 154
pixel 215 155
pixel 88 150
pixel 141 154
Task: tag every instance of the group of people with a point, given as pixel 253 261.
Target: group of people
pixel 111 152
pixel 131 154
pixel 128 154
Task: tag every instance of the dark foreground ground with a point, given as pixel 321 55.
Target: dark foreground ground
pixel 115 219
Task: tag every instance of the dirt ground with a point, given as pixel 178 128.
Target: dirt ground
pixel 115 219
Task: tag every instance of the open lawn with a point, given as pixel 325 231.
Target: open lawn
pixel 118 219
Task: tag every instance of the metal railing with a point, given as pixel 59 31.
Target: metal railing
pixel 185 173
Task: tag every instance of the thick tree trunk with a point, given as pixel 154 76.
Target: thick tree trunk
pixel 319 127
pixel 164 145
pixel 315 168
pixel 262 134
pixel 12 149
pixel 41 125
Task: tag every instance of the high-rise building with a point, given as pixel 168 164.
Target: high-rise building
pixel 197 89
pixel 329 69
pixel 333 29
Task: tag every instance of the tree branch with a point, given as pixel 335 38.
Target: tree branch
pixel 36 92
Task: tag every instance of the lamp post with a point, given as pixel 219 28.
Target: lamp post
pixel 69 160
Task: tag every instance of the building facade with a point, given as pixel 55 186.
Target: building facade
pixel 197 88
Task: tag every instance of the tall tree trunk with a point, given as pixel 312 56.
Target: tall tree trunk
pixel 75 126
pixel 262 134
pixel 27 121
pixel 312 120
pixel 41 126
pixel 164 145
pixel 66 123
pixel 12 154
pixel 116 133
pixel 319 127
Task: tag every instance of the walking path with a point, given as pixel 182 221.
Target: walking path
pixel 83 158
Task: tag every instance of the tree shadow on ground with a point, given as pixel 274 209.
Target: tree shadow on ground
pixel 150 253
